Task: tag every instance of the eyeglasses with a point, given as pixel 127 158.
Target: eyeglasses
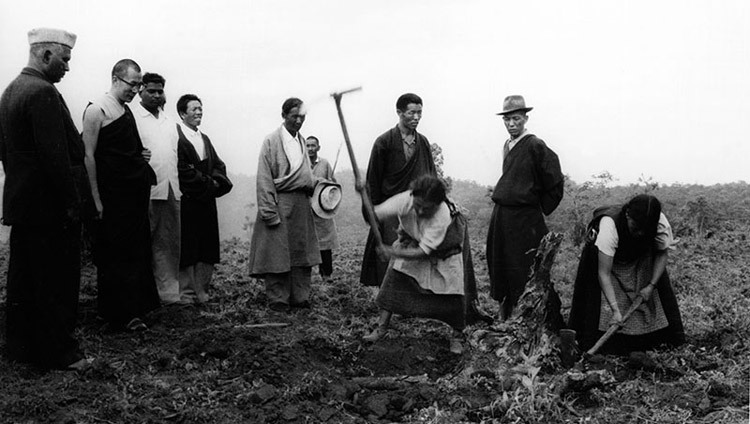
pixel 135 85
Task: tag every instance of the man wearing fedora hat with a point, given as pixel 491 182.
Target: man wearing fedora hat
pixel 530 187
pixel 43 200
pixel 325 200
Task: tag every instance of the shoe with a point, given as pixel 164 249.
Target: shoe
pixel 376 334
pixel 136 325
pixel 278 307
pixel 456 347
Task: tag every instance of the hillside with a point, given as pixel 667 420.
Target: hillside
pixel 237 209
pixel 232 360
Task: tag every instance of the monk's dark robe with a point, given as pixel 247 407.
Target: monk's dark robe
pixel 126 287
pixel 390 173
pixel 201 182
pixel 531 186
pixel 586 304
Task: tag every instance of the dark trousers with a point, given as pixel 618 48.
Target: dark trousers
pixel 326 266
pixel 44 274
pixel 289 288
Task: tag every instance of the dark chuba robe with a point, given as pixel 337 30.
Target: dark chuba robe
pixel 388 174
pixel 531 186
pixel 201 182
pixel 123 242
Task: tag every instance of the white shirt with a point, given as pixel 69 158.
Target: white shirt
pixel 196 139
pixel 159 135
pixel 607 238
pixel 293 149
pixel 441 276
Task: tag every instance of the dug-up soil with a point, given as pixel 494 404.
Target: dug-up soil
pixel 234 361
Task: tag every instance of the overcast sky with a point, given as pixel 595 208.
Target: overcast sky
pixel 659 89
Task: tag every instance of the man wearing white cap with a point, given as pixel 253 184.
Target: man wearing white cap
pixel 530 187
pixel 43 201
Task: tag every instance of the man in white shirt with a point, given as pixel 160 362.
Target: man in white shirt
pixel 159 134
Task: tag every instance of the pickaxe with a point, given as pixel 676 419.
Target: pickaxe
pixel 369 211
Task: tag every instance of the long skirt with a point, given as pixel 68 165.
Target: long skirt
pixel 401 295
pixel 586 311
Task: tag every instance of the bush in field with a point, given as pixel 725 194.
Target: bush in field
pixel 582 199
pixel 437 157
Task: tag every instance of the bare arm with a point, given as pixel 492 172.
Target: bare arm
pixel 92 123
pixel 405 252
pixel 605 282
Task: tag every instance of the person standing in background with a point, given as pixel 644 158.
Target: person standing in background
pixel 530 187
pixel 159 135
pixel 399 156
pixel 325 227
pixel 284 246
pixel 121 180
pixel 203 178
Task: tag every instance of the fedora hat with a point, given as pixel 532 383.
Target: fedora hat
pixel 326 199
pixel 514 103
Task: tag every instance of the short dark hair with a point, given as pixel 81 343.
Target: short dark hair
pixel 314 138
pixel 184 100
pixel 122 66
pixel 150 77
pixel 290 104
pixel 406 99
pixel 429 188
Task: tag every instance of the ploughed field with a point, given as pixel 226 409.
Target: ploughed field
pixel 234 361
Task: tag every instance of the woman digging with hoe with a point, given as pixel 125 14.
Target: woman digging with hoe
pixel 425 273
pixel 624 263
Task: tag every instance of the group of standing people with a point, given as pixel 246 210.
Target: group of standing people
pixel 143 184
pixel 426 267
pixel 147 186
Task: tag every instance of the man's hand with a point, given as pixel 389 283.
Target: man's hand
pixel 99 208
pixel 385 252
pixel 146 153
pixel 359 186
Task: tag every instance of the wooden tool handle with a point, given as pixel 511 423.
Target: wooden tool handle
pixel 616 326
